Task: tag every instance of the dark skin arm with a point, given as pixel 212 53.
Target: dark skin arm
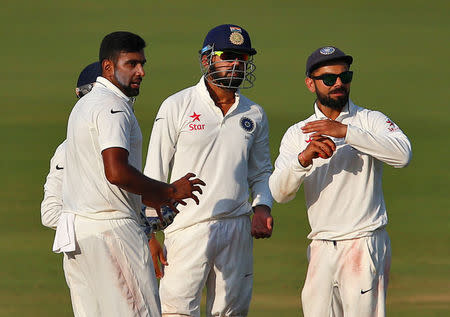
pixel 154 193
pixel 262 222
pixel 157 256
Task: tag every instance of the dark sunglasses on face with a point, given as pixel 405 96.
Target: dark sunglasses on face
pixel 330 79
pixel 230 55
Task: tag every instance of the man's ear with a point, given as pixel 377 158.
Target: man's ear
pixel 107 68
pixel 309 82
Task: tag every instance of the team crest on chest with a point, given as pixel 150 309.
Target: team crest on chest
pixel 247 124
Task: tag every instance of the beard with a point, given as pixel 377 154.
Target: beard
pixel 126 88
pixel 220 77
pixel 336 104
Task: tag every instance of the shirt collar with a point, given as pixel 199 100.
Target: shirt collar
pixel 109 85
pixel 345 112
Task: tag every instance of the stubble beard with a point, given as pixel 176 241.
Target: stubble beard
pixel 232 81
pixel 126 88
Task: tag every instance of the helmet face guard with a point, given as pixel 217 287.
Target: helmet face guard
pixel 84 89
pixel 240 75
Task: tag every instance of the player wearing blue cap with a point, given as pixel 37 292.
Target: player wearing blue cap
pixel 223 137
pixel 338 154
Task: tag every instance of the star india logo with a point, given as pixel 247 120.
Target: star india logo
pixel 236 38
pixel 327 50
pixel 193 126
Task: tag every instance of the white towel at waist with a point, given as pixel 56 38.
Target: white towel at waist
pixel 65 234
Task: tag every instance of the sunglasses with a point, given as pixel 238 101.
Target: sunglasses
pixel 231 56
pixel 330 79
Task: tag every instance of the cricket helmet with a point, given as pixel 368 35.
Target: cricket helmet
pixel 235 42
pixel 87 78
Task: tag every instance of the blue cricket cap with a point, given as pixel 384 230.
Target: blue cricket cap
pixel 228 37
pixel 323 55
pixel 89 74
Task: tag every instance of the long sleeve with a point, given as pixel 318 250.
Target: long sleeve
pixel 289 173
pixel 382 139
pixel 260 166
pixel 52 203
pixel 162 143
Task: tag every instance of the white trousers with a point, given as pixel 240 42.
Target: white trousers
pixel 218 254
pixel 347 278
pixel 111 272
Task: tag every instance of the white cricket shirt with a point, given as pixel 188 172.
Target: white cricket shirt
pixel 344 195
pixel 102 119
pixel 229 153
pixel 52 203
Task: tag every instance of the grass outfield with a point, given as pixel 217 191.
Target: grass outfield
pixel 401 64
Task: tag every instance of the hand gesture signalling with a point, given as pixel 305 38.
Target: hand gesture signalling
pixel 319 147
pixel 173 194
pixel 185 187
pixel 325 127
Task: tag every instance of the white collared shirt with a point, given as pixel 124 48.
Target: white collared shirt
pixel 229 153
pixel 343 194
pixel 102 119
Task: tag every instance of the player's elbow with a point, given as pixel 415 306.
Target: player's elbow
pixel 282 197
pixel 116 174
pixel 49 219
pixel 113 177
pixel 403 159
pixel 280 194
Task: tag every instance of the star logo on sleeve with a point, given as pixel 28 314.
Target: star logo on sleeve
pixel 195 117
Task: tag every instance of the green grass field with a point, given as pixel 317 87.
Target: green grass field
pixel 401 66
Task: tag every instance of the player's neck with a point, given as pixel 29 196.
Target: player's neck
pixel 330 113
pixel 223 98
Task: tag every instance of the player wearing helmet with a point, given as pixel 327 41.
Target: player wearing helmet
pixel 221 136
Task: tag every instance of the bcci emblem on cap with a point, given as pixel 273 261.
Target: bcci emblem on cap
pixel 226 57
pixel 247 124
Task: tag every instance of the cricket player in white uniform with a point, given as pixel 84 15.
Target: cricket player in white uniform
pixel 338 154
pixel 52 203
pixel 107 262
pixel 222 136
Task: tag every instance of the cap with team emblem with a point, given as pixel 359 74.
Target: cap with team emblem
pixel 325 54
pixel 228 37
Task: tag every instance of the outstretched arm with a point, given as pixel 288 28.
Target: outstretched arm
pixel 154 193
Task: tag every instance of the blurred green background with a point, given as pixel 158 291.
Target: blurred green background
pixel 401 51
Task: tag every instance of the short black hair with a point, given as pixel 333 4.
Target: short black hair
pixel 121 41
